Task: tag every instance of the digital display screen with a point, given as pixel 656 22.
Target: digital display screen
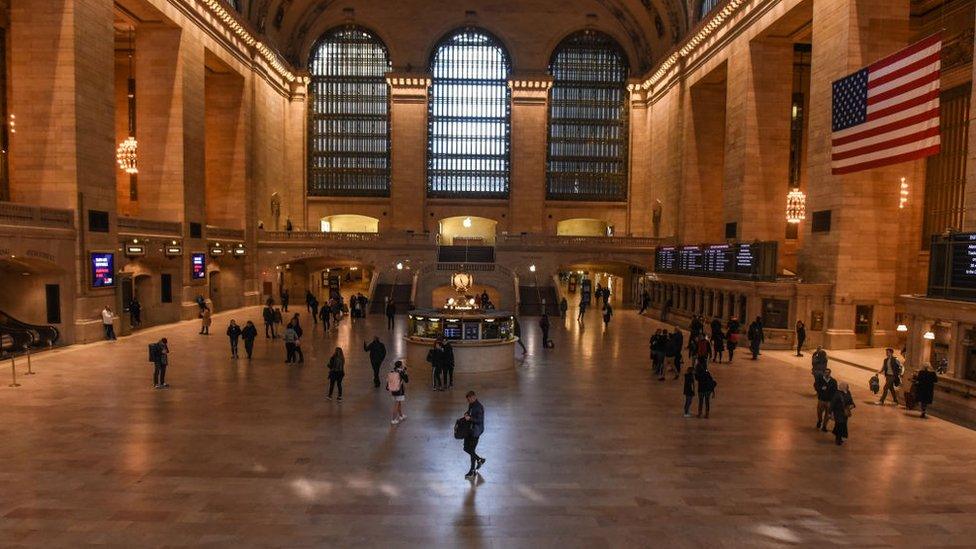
pixel 730 260
pixel 452 330
pixel 198 265
pixel 103 270
pixel 471 330
pixel 963 267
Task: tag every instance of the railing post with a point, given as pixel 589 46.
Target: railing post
pixel 13 371
pixel 30 372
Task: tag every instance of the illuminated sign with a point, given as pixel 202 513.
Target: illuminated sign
pixel 216 251
pixel 198 265
pixel 102 270
pixel 135 250
pixel 239 250
pixel 174 251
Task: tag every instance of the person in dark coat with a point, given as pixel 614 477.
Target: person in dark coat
pixel 135 310
pixel 672 351
pixel 269 325
pixel 308 300
pixel 718 345
pixel 840 409
pixel 607 313
pixel 248 333
pixel 563 306
pixel 689 389
pixel 818 362
pixel 234 333
pixel 377 352
pixel 337 371
pixel 731 341
pixel 801 336
pixel 298 342
pixel 517 332
pixel 476 416
pixel 706 386
pixel 756 337
pixel 544 326
pixel 436 359
pixel 825 386
pixel 314 305
pixel 284 300
pixel 390 314
pixel 447 355
pixel 925 381
pixel 325 314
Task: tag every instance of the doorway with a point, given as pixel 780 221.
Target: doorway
pixel 863 316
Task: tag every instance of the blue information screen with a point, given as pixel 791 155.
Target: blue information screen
pixel 103 270
pixel 198 262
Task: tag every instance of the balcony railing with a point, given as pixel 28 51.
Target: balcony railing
pixel 385 239
pixel 529 240
pixel 224 232
pixel 23 215
pixel 132 225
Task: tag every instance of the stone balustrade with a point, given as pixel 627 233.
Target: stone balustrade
pixel 24 215
pixel 136 226
pixel 531 240
pixel 224 233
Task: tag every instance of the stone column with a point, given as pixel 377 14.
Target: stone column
pixel 527 195
pixel 640 200
pixel 408 150
pixel 856 255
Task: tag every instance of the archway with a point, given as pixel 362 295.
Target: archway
pixel 582 278
pixel 467 230
pixel 349 223
pixel 36 292
pixel 582 226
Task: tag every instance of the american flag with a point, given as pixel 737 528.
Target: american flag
pixel 888 112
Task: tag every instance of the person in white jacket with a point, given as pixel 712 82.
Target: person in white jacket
pixel 108 323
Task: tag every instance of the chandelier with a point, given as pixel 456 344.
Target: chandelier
pixel 796 206
pixel 462 281
pixel 126 153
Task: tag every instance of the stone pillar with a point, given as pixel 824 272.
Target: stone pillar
pixel 640 199
pixel 857 254
pixel 527 195
pixel 757 144
pixel 702 216
pixel 408 150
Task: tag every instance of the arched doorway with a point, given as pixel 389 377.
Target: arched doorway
pixel 467 230
pixel 582 226
pixel 349 223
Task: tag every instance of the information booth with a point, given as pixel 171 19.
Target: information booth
pixel 483 341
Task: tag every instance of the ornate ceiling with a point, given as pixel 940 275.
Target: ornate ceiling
pixel 647 29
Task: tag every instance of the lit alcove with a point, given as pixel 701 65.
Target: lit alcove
pixel 349 223
pixel 582 226
pixel 465 230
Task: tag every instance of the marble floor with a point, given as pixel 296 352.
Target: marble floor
pixel 584 449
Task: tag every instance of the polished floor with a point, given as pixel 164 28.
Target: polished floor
pixel 584 449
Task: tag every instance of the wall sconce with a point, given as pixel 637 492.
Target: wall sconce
pixel 929 334
pixel 532 268
pixel 901 328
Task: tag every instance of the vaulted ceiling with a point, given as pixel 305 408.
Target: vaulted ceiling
pixel 646 29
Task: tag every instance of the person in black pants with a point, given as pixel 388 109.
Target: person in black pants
pixel 377 352
pixel 326 315
pixel 234 333
pixel 390 314
pixel 337 371
pixel 284 300
pixel 801 336
pixel 159 365
pixel 689 389
pixel 476 416
pixel 544 326
pixel 314 305
pixel 248 333
pixel 447 356
pixel 706 385
pixel 268 315
pixel 298 343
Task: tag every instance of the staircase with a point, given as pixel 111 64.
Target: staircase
pixel 466 254
pixel 531 300
pixel 401 297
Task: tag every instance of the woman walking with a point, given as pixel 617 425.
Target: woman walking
pixel 396 384
pixel 234 333
pixel 689 389
pixel 925 382
pixel 840 409
pixel 337 365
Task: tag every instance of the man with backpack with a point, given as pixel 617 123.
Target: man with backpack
pixel 396 384
pixel 891 370
pixel 159 356
pixel 377 352
pixel 475 416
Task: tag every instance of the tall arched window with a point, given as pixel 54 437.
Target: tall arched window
pixel 469 120
pixel 587 157
pixel 348 115
pixel 707 6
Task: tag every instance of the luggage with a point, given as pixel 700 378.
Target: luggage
pixel 154 352
pixel 874 384
pixel 910 398
pixel 462 428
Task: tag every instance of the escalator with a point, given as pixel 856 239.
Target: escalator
pixel 16 336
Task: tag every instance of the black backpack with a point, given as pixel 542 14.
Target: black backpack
pixel 462 428
pixel 154 352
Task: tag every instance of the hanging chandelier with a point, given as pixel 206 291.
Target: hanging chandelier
pixel 127 152
pixel 796 206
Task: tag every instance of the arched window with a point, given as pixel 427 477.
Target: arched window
pixel 236 4
pixel 706 6
pixel 348 115
pixel 587 156
pixel 469 120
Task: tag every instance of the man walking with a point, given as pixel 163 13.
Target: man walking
pixel 819 362
pixel 268 315
pixel 544 326
pixel 377 352
pixel 390 314
pixel 801 336
pixel 891 370
pixel 756 337
pixel 825 386
pixel 476 417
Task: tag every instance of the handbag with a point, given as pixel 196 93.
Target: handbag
pixel 462 428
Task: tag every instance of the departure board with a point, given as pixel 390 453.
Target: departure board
pixel 952 266
pixel 756 260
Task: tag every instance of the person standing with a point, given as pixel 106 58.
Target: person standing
pixel 476 417
pixel 925 381
pixel 818 362
pixel 326 315
pixel 436 358
pixel 689 389
pixel 308 300
pixel 337 371
pixel 607 313
pixel 160 362
pixel 841 406
pixel 233 333
pixel 396 384
pixel 268 315
pixel 390 314
pixel 290 337
pixel 706 386
pixel 249 332
pixel 645 301
pixel 544 327
pixel 563 307
pixel 891 370
pixel 718 345
pixel 801 336
pixel 284 299
pixel 825 386
pixel 447 355
pixel 297 326
pixel 756 337
pixel 206 319
pixel 731 341
pixel 377 353
pixel 108 323
pixel 314 305
pixel 135 310
pixel 677 344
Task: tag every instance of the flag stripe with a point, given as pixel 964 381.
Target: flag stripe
pixel 881 137
pixel 887 144
pixel 930 100
pixel 877 80
pixel 887 153
pixel 894 124
pixel 921 153
pixel 880 65
pixel 930 91
pixel 888 91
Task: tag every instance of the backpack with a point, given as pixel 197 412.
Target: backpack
pixel 874 384
pixel 462 428
pixel 393 382
pixel 154 352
